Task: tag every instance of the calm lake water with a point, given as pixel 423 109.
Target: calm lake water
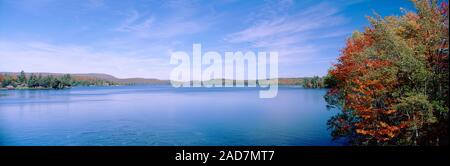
pixel 161 115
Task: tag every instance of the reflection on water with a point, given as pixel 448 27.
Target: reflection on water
pixel 149 115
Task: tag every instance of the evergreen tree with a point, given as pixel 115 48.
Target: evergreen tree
pixel 32 81
pixel 66 80
pixel 22 79
pixel 39 80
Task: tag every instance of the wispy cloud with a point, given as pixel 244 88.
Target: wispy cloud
pixel 96 3
pixel 187 20
pixel 136 24
pixel 292 34
pixel 313 18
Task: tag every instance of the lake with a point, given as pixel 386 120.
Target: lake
pixel 162 115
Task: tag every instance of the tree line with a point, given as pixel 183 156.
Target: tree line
pixel 33 81
pixel 305 82
pixel 314 82
pixel 391 80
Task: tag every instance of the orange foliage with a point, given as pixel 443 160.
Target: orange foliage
pixel 363 93
pixel 372 79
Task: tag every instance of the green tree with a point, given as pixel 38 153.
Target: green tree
pixel 22 79
pixel 66 80
pixel 1 80
pixel 8 80
pixel 39 80
pixel 47 81
pixel 329 81
pixel 32 81
pixel 314 82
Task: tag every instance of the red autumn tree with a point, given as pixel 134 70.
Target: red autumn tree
pixel 389 80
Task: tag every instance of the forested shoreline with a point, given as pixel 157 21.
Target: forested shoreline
pixel 24 80
pixel 37 81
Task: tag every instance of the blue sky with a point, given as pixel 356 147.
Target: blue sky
pixel 135 38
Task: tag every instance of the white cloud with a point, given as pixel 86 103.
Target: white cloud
pixel 186 20
pixel 291 34
pixel 136 24
pixel 313 18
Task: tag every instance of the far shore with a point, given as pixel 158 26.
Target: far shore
pixel 25 88
pixel 44 88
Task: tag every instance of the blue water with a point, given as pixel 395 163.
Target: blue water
pixel 161 115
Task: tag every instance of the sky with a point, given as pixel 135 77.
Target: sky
pixel 136 38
